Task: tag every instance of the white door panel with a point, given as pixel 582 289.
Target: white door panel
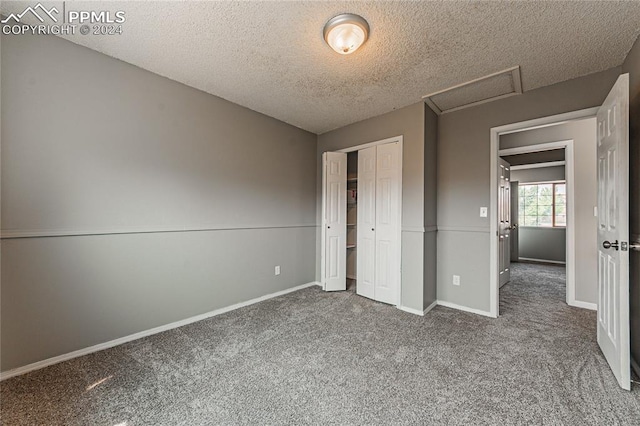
pixel 387 226
pixel 379 197
pixel 334 268
pixel 366 222
pixel 613 230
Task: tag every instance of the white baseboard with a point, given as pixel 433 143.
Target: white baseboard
pixel 416 311
pixel 464 308
pixel 430 307
pixel 410 310
pixel 635 366
pixel 584 305
pixel 530 259
pixel 106 345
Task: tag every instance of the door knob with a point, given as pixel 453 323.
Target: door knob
pixel 608 245
pixel 372 229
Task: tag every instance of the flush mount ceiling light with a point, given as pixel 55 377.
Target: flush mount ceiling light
pixel 346 33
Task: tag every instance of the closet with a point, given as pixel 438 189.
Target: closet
pixel 361 205
pixel 352 219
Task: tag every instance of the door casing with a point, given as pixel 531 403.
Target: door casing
pixel 395 139
pixel 495 153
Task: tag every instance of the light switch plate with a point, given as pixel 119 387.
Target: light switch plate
pixel 483 211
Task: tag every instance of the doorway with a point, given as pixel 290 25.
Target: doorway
pixel 533 213
pixel 537 191
pixel 545 139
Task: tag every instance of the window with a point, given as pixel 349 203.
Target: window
pixel 543 204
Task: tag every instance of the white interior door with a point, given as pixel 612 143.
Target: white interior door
pixel 387 219
pixel 613 230
pixel 366 237
pixel 504 222
pixel 334 247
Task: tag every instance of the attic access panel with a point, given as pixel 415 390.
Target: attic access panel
pixel 475 92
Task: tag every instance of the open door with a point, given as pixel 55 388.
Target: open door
pixel 334 221
pixel 514 237
pixel 504 222
pixel 613 230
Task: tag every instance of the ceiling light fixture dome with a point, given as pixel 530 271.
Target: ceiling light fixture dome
pixel 346 33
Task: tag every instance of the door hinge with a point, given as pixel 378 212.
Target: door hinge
pixel 623 246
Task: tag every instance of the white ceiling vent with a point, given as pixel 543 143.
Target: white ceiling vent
pixel 484 89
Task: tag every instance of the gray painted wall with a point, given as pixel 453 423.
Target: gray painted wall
pixel 537 242
pixel 92 144
pixel 408 122
pixel 632 66
pixel 463 177
pixel 583 133
pixel 541 174
pixel 542 244
pixel 429 293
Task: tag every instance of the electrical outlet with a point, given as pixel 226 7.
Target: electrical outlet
pixel 483 212
pixel 456 280
pixel 278 270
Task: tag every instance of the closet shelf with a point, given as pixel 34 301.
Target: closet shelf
pixel 352 179
pixel 350 246
pixel 351 224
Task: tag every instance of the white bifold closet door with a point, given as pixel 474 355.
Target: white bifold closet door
pixel 334 200
pixel 366 223
pixel 379 196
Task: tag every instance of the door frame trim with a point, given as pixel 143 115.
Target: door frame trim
pixel 395 139
pixel 323 236
pixel 494 152
pixel 538 165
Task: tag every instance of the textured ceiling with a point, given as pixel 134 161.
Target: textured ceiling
pixel 271 57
